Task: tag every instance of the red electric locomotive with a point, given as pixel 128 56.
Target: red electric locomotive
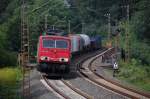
pixel 54 53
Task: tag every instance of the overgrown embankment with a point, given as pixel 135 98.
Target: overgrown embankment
pixel 136 74
pixel 10 83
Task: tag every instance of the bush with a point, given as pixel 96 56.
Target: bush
pixel 9 76
pixel 8 58
pixel 135 73
pixel 9 83
pixel 141 52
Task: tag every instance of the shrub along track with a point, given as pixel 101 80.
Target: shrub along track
pixel 90 73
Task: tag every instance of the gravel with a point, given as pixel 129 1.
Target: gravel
pixel 90 88
pixel 38 90
pixel 94 90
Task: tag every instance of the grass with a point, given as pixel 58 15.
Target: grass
pixel 135 74
pixel 9 83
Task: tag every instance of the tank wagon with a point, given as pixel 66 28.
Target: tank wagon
pixel 55 52
pixel 79 42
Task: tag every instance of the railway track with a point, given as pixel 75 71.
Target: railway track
pixel 84 65
pixel 90 73
pixel 82 94
pixel 65 89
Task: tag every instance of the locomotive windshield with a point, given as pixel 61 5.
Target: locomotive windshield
pixel 61 44
pixel 55 43
pixel 48 43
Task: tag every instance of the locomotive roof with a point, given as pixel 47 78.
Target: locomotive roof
pixel 51 36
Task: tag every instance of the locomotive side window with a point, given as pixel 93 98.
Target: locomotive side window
pixel 48 43
pixel 61 44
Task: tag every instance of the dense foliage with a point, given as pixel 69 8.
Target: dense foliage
pixel 90 12
pixel 136 74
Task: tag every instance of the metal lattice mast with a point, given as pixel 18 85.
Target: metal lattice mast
pixel 127 36
pixel 109 26
pixel 83 27
pixel 25 51
pixel 46 22
pixel 109 29
pixel 69 26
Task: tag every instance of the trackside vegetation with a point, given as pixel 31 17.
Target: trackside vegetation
pixel 135 74
pixel 10 83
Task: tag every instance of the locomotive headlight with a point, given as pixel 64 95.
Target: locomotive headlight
pixel 63 59
pixel 66 59
pixel 44 58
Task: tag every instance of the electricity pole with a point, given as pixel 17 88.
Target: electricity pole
pixel 46 22
pixel 109 29
pixel 109 26
pixel 69 27
pixel 83 27
pixel 25 51
pixel 127 35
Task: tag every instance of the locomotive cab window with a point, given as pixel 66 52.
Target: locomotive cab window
pixel 48 43
pixel 61 44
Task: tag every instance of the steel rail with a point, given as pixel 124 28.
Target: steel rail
pixel 116 83
pixel 55 89
pixel 108 80
pixel 77 90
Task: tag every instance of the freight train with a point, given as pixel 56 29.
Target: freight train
pixel 55 52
